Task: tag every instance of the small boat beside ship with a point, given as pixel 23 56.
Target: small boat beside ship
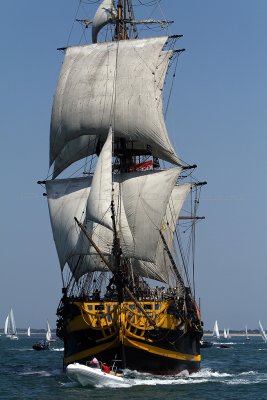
pixel 87 375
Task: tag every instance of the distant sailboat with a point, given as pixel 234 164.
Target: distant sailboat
pixel 10 329
pixel 49 337
pixel 225 334
pixel 228 333
pixel 216 330
pixel 262 332
pixel 29 331
pixel 246 331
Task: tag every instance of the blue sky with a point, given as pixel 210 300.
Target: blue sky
pixel 217 120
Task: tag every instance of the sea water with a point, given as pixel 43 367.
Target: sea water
pixel 238 372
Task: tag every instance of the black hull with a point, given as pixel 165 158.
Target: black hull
pixel 161 351
pixel 142 361
pixel 38 348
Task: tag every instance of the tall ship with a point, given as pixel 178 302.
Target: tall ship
pixel 122 204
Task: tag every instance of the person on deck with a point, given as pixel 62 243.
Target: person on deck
pixel 94 363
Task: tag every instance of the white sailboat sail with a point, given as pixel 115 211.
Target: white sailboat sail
pixel 29 331
pixel 216 332
pixel 48 335
pixel 262 332
pixel 225 333
pixel 11 326
pixel 6 330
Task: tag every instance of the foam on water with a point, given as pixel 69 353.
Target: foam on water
pixel 58 349
pixel 40 373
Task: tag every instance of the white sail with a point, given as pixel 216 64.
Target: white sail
pixel 262 332
pixel 228 333
pixel 6 326
pixel 85 101
pixel 67 199
pixel 225 334
pixel 48 332
pixel 74 150
pixel 29 331
pixel 161 269
pixel 100 196
pixel 216 332
pixel 105 13
pixel 11 326
pixel 143 210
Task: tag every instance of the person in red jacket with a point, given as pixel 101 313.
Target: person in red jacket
pixel 105 368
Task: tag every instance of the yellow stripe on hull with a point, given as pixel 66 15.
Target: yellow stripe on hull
pixel 162 352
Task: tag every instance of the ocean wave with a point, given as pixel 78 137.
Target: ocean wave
pixel 58 349
pixel 208 373
pixel 248 373
pixel 240 382
pixel 40 373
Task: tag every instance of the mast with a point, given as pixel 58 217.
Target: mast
pixel 121 29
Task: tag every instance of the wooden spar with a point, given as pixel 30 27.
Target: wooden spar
pixel 175 269
pixel 152 322
pixel 92 242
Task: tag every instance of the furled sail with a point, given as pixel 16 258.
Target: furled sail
pixel 118 84
pixel 105 13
